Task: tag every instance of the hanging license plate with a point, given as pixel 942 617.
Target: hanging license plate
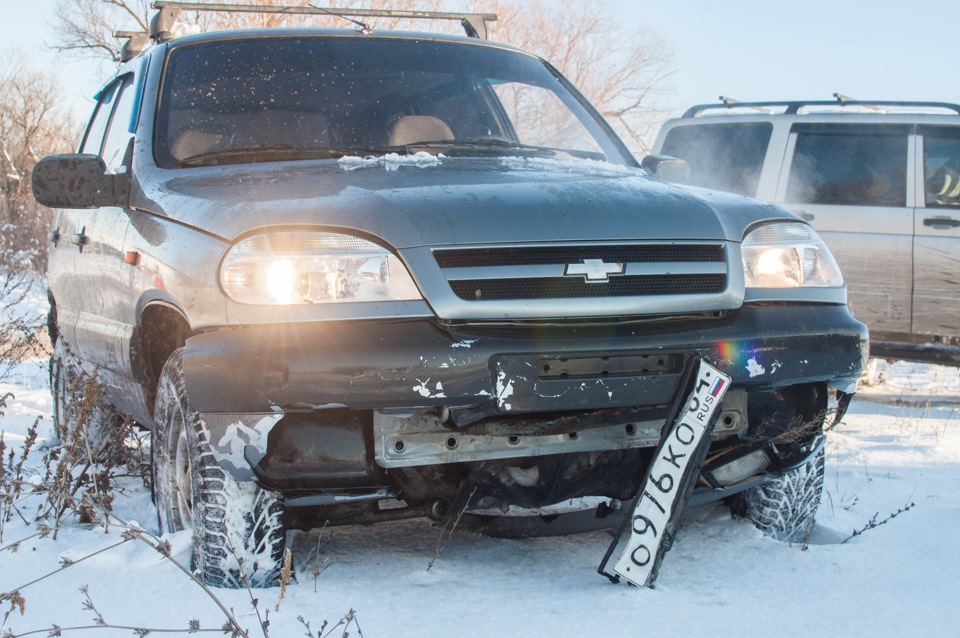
pixel 661 498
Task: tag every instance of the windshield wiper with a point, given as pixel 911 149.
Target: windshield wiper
pixel 498 146
pixel 485 147
pixel 274 152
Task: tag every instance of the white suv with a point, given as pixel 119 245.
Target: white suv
pixel 877 180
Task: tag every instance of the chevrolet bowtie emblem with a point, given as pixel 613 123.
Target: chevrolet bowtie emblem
pixel 593 270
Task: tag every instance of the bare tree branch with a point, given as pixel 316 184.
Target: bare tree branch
pixel 87 26
pixel 31 125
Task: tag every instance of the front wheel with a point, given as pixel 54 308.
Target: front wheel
pixel 237 526
pixel 785 508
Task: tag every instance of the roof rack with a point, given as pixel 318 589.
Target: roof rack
pixel 734 103
pixel 793 107
pixel 162 23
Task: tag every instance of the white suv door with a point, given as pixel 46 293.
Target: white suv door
pixel 850 181
pixel 936 253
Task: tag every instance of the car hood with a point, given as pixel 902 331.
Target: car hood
pixel 421 200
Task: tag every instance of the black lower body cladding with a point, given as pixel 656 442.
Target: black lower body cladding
pixel 417 364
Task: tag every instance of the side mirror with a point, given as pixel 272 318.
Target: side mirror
pixel 667 169
pixel 77 181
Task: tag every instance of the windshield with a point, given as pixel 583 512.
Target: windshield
pixel 301 97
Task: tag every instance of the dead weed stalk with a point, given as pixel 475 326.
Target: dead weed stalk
pixel 874 523
pixel 443 542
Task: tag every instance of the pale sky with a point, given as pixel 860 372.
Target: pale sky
pixel 747 49
pixel 773 50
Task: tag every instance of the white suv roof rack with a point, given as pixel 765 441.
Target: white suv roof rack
pixel 794 107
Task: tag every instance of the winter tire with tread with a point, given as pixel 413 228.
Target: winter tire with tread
pixel 785 508
pixel 230 519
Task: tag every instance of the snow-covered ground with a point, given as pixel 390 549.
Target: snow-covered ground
pixel 899 444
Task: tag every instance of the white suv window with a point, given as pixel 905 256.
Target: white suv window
pixel 941 165
pixel 726 157
pixel 849 165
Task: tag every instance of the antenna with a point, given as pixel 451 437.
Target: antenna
pixel 364 28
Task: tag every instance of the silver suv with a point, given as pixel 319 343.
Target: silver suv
pixel 879 181
pixel 350 276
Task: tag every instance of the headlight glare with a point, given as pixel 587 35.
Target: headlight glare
pixel 301 267
pixel 282 281
pixel 788 255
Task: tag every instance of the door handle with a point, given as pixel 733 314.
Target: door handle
pixel 804 215
pixel 80 239
pixel 941 222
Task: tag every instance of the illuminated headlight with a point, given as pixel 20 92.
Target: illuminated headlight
pixel 788 256
pixel 301 267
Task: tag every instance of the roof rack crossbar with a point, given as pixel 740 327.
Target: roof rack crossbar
pixel 793 107
pixel 474 24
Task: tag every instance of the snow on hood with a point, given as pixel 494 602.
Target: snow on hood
pixel 390 161
pixel 422 159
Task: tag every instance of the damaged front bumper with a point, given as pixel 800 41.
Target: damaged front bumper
pixel 356 403
pixel 417 365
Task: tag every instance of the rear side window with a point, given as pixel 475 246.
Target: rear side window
pixel 941 165
pixel 726 157
pixel 849 165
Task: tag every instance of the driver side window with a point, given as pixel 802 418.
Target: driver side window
pixel 109 132
pixel 118 132
pixel 93 140
pixel 941 166
pixel 849 165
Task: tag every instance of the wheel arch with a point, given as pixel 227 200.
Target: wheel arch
pixel 162 328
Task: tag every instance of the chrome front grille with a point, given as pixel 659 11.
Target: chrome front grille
pixel 597 280
pixel 558 272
